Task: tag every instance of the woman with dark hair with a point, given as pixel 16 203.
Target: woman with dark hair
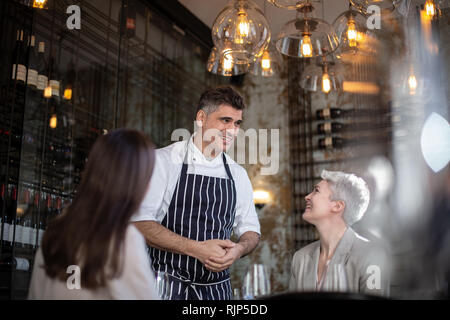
pixel 91 251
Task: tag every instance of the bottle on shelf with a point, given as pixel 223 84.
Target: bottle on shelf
pixel 33 63
pixel 128 19
pixel 332 143
pixel 54 81
pixel 338 127
pixel 68 82
pixel 332 113
pixel 58 208
pixel 55 98
pixel 5 218
pixel 42 68
pixel 331 127
pixel 34 217
pixel 9 263
pixel 19 69
pixel 12 208
pixel 26 221
pixel 44 217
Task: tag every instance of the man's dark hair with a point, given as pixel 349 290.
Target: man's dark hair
pixel 211 99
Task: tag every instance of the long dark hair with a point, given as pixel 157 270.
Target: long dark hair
pixel 90 232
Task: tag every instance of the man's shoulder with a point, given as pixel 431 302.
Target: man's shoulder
pixel 172 153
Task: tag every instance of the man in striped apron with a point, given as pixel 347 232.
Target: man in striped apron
pixel 197 198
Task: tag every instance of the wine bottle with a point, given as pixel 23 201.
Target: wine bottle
pixel 54 81
pixel 128 19
pixel 33 63
pixel 331 142
pixel 42 68
pixel 34 216
pixel 58 208
pixel 330 127
pixel 332 113
pixel 12 208
pixel 9 263
pixel 26 221
pixel 45 214
pixel 19 69
pixel 69 81
pixel 5 219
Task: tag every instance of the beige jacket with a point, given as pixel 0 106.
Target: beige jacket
pixel 137 280
pixel 358 266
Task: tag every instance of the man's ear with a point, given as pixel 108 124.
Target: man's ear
pixel 200 118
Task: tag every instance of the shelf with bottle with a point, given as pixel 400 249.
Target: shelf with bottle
pixel 335 113
pixel 26 217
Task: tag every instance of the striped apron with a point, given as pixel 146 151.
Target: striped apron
pixel 202 208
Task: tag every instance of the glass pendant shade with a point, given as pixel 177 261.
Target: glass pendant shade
pixel 288 4
pixel 350 27
pixel 363 5
pixel 224 66
pixel 241 31
pixel 268 64
pixel 321 78
pixel 307 38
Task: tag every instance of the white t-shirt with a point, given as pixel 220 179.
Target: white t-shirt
pixel 167 170
pixel 137 280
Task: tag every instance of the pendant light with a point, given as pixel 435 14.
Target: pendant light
pixel 268 64
pixel 40 4
pixel 288 4
pixel 306 37
pixel 363 5
pixel 350 27
pixel 324 76
pixel 240 31
pixel 268 61
pixel 432 9
pixel 223 65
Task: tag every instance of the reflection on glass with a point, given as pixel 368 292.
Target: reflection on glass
pixel 162 285
pixel 435 142
pixel 256 282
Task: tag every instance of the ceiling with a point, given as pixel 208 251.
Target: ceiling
pixel 207 11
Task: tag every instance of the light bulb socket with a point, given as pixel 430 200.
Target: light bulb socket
pixel 307 8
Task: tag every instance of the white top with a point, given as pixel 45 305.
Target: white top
pixel 168 163
pixel 137 280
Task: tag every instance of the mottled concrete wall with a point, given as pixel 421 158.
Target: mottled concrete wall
pixel 266 100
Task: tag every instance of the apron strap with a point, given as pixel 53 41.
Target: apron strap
pixel 227 168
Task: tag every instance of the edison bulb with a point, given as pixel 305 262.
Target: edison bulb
pixel 412 83
pixel 326 83
pixel 265 61
pixel 306 46
pixel 430 8
pixel 227 63
pixel 351 33
pixel 39 3
pixel 243 27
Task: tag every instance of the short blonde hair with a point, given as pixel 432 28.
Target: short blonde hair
pixel 352 190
